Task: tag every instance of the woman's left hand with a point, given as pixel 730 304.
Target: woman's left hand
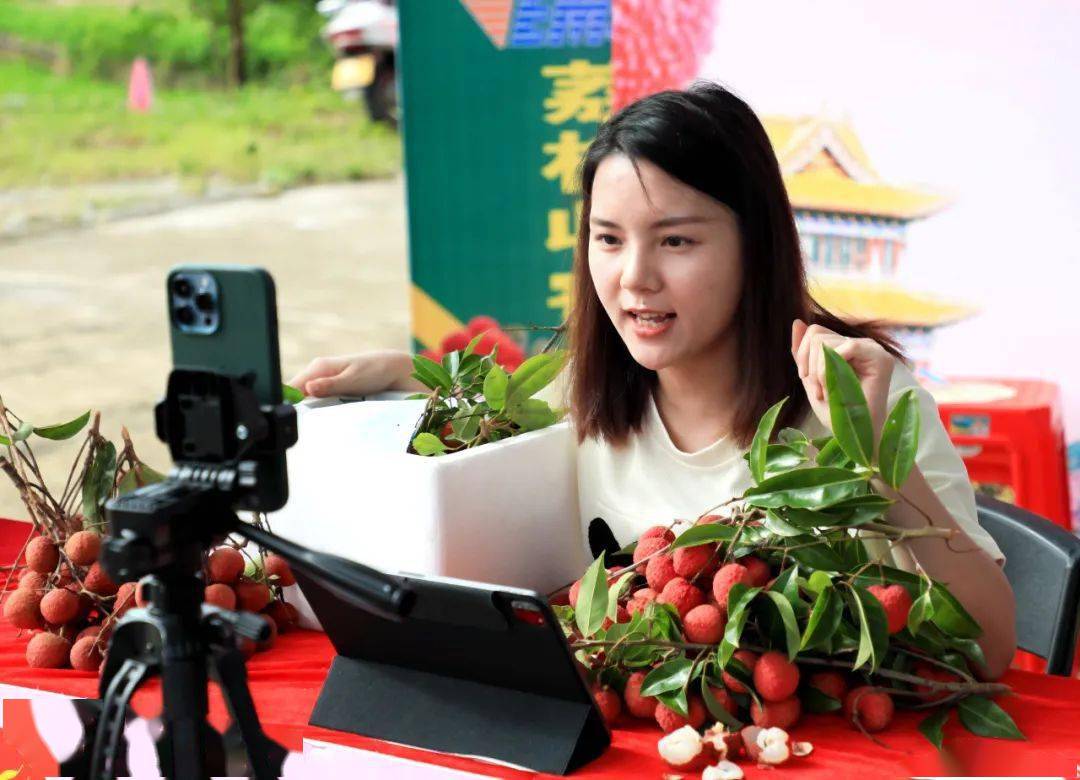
pixel 871 362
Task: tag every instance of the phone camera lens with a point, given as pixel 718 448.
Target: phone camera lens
pixel 185 315
pixel 182 287
pixel 204 301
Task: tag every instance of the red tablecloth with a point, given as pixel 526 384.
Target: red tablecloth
pixel 285 682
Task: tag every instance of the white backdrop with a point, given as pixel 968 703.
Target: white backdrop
pixel 979 100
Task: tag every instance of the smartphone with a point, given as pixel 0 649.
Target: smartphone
pixel 224 319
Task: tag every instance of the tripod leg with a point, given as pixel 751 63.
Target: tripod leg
pixel 265 756
pixel 105 762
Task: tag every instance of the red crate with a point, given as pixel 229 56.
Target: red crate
pixel 1014 450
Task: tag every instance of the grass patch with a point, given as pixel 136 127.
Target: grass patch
pixel 70 130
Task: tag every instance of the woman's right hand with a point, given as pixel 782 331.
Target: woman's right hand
pixel 364 373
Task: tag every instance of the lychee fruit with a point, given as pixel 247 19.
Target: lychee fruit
pixel 724 698
pixel 759 570
pixel 252 596
pixel 225 565
pixel 683 750
pixel 775 677
pixel 782 714
pixel 897 603
pixel 59 605
pixel 125 599
pixel 32 580
pixel 660 571
pixel 748 659
pixel 704 624
pixel 284 615
pixel 97 581
pixel 680 594
pixel 874 708
pixel 42 555
pixel 689 562
pixel 830 683
pixel 22 608
pixel 637 705
pixel 276 566
pixel 645 548
pixel 91 631
pixel 621 616
pixel 220 595
pixel 83 548
pixel 86 655
pixel 640 599
pixel 609 703
pixel 728 575
pixel 669 720
pixel 48 651
pixel 657 532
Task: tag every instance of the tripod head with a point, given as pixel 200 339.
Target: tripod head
pixel 225 444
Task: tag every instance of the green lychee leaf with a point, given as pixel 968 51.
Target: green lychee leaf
pixel 495 387
pixel 873 627
pixel 787 615
pixel 849 413
pixel 950 615
pixel 809 488
pixel 984 717
pixel 615 592
pixel 705 533
pixel 778 525
pixel 592 600
pixel 761 441
pixel 933 727
pixel 290 394
pixel 670 676
pixel 922 609
pixel 899 440
pixel 428 444
pixel 431 374
pixel 824 619
pixel 64 430
pixel 715 708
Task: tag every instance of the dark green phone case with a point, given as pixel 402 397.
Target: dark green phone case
pixel 246 340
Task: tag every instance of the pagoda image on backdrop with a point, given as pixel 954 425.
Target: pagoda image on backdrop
pixel 853 230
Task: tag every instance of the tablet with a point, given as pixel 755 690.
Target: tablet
pixel 474 669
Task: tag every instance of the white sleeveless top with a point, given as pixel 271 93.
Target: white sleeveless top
pixel 649 481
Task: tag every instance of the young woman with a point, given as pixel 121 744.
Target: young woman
pixel 691 319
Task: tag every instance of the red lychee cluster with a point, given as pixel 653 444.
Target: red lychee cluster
pixel 769 689
pixel 67 601
pixel 232 584
pixel 510 355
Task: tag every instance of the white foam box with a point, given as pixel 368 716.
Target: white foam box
pixel 504 513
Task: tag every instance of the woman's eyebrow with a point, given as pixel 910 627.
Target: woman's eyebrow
pixel 662 223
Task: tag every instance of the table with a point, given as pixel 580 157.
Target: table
pixel 286 679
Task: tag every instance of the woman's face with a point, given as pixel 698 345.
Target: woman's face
pixel 665 260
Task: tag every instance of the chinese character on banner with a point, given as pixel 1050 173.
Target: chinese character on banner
pixel 562 228
pixel 561 285
pixel 580 90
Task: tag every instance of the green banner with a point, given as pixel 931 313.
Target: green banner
pixel 500 100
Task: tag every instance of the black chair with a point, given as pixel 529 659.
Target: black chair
pixel 1042 562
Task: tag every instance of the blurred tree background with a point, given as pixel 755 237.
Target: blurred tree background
pixel 242 94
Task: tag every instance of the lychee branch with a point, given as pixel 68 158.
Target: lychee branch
pixel 959 687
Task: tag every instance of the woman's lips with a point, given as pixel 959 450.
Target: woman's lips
pixel 650 324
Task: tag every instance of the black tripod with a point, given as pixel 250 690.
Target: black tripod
pixel 159 533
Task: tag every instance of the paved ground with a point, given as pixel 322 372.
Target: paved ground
pixel 82 316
